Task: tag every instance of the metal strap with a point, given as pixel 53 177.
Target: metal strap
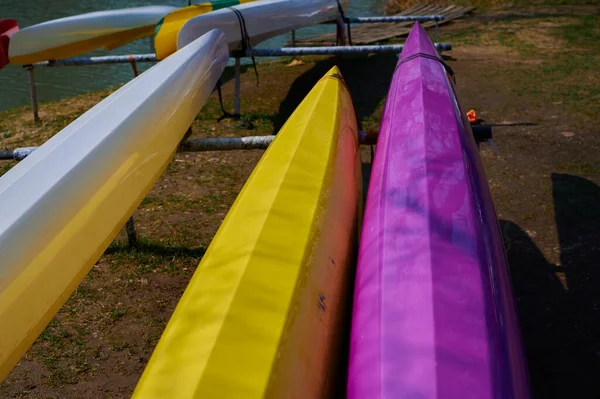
pixel 245 37
pixel 430 57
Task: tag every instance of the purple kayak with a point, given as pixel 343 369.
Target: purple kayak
pixel 434 313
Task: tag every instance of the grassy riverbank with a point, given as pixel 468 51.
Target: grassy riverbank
pixel 531 69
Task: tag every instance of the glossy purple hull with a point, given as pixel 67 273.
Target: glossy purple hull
pixel 434 314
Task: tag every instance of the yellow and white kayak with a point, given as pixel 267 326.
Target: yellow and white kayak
pixel 71 36
pixel 64 204
pixel 165 33
pixel 265 313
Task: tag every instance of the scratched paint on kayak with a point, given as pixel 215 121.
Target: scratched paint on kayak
pixel 65 203
pixel 165 33
pixel 434 314
pixel 263 315
pixel 72 36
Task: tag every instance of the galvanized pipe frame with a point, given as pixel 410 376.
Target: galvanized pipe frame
pixel 134 58
pixel 481 133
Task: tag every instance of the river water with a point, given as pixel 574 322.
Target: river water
pixel 56 83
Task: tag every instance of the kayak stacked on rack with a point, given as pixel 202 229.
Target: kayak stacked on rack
pixel 167 29
pixel 265 314
pixel 71 36
pixel 65 203
pixel 254 22
pixel 434 314
pixel 174 28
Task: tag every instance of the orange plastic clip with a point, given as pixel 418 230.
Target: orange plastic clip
pixel 472 116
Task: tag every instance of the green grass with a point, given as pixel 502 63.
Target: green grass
pixel 567 75
pixel 5 166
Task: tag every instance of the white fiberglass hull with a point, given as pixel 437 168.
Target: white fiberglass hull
pixel 71 36
pixel 64 204
pixel 263 20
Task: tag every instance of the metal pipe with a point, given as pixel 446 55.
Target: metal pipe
pixel 33 93
pixel 340 31
pixel 334 50
pixel 238 85
pixel 21 153
pixel 109 59
pixel 227 144
pixel 151 44
pixel 200 145
pixel 480 132
pixel 399 18
pixel 134 68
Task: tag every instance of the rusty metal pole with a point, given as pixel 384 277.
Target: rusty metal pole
pixel 33 93
pixel 238 86
pixel 340 31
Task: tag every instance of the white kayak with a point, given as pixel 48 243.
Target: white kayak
pixel 65 203
pixel 71 36
pixel 262 20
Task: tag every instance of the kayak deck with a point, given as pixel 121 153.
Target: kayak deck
pixel 165 35
pixel 434 315
pixel 65 203
pixel 72 36
pixel 257 21
pixel 263 315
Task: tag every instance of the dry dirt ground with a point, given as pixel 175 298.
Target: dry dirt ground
pixel 530 71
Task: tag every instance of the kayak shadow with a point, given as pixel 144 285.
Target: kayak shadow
pixel 155 248
pixel 559 304
pixel 368 79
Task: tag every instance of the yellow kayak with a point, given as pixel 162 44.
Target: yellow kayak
pixel 265 313
pixel 165 33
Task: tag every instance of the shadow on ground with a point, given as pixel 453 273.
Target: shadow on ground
pixel 368 79
pixel 148 247
pixel 558 304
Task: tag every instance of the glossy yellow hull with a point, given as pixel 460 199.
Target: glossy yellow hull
pixel 265 313
pixel 165 39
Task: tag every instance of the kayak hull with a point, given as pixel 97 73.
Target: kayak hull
pixel 263 20
pixel 264 314
pixel 434 314
pixel 65 203
pixel 165 38
pixel 72 36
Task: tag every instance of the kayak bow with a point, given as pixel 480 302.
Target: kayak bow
pixel 434 314
pixel 264 313
pixel 72 36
